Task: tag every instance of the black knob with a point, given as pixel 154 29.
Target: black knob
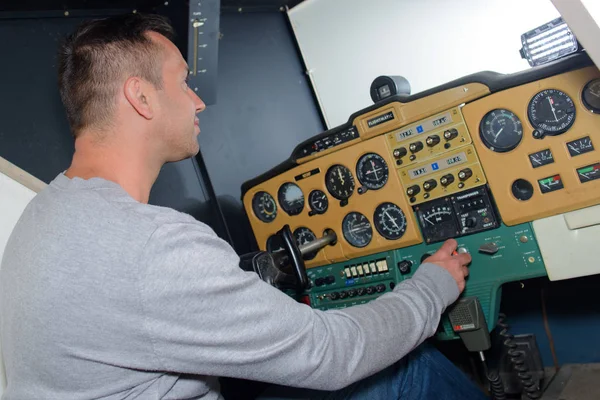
pixel 413 190
pixel 361 291
pixel 465 174
pixel 404 267
pixel 370 290
pixel 399 152
pixel 352 292
pixel 471 222
pixel 432 140
pixel 447 179
pixel 343 294
pixel 319 282
pixel 429 185
pixel 522 189
pixel 415 147
pixel 334 295
pixel 329 279
pixel 380 288
pixel 450 134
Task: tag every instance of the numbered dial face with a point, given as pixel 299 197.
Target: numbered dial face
pixel 303 236
pixel 501 130
pixel 437 221
pixel 264 206
pixel 340 182
pixel 291 198
pixel 390 221
pixel 357 229
pixel 591 96
pixel 318 201
pixel 372 171
pixel 551 111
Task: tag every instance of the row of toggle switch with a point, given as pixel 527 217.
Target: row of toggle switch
pixel 431 141
pixel 361 291
pixel 365 269
pixel 445 180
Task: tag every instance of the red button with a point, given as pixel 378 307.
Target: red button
pixel 305 300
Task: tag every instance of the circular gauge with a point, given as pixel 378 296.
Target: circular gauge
pixel 291 198
pixel 357 229
pixel 263 205
pixel 339 181
pixel 303 236
pixel 318 202
pixel 591 96
pixel 501 130
pixel 551 111
pixel 389 220
pixel 372 171
pixel 437 221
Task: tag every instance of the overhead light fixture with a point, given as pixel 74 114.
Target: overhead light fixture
pixel 548 42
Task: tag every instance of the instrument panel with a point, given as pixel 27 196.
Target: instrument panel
pixel 538 149
pixel 468 165
pixel 354 192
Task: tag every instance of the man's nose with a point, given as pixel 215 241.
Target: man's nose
pixel 200 106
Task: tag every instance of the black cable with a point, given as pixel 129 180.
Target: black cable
pixel 517 359
pixel 496 385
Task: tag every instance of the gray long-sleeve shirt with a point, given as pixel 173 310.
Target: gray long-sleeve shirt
pixel 104 297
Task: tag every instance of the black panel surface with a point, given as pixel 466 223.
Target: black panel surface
pixel 265 107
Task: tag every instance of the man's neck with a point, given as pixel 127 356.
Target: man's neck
pixel 131 170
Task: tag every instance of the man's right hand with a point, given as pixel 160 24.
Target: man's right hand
pixel 456 265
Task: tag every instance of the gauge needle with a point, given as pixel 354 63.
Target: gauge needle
pixel 340 175
pixel 391 219
pixel 552 107
pixel 427 219
pixel 536 160
pixel 374 169
pixel 574 149
pixel 499 132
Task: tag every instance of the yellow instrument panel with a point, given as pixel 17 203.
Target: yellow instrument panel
pixel 371 204
pixel 451 173
pixel 553 173
pixel 531 149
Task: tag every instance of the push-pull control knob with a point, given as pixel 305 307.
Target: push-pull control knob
pixel 447 180
pixel 415 147
pixel 432 140
pixel 413 190
pixel 429 185
pixel 465 174
pixel 450 134
pixel 399 152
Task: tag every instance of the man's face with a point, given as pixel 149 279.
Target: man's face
pixel 178 105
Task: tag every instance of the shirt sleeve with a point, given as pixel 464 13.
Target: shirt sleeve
pixel 206 316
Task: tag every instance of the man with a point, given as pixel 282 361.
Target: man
pixel 105 296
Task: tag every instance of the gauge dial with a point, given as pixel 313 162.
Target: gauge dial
pixel 580 146
pixel 264 206
pixel 303 236
pixel 541 158
pixel 340 182
pixel 318 201
pixel 591 96
pixel 551 111
pixel 501 130
pixel 357 229
pixel 437 221
pixel 291 198
pixel 390 221
pixel 372 171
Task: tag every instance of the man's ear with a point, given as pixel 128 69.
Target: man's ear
pixel 138 94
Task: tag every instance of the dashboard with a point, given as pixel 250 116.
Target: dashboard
pixel 480 159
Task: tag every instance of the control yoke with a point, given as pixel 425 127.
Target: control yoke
pixel 285 269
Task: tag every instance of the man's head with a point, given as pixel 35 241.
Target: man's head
pixel 124 74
